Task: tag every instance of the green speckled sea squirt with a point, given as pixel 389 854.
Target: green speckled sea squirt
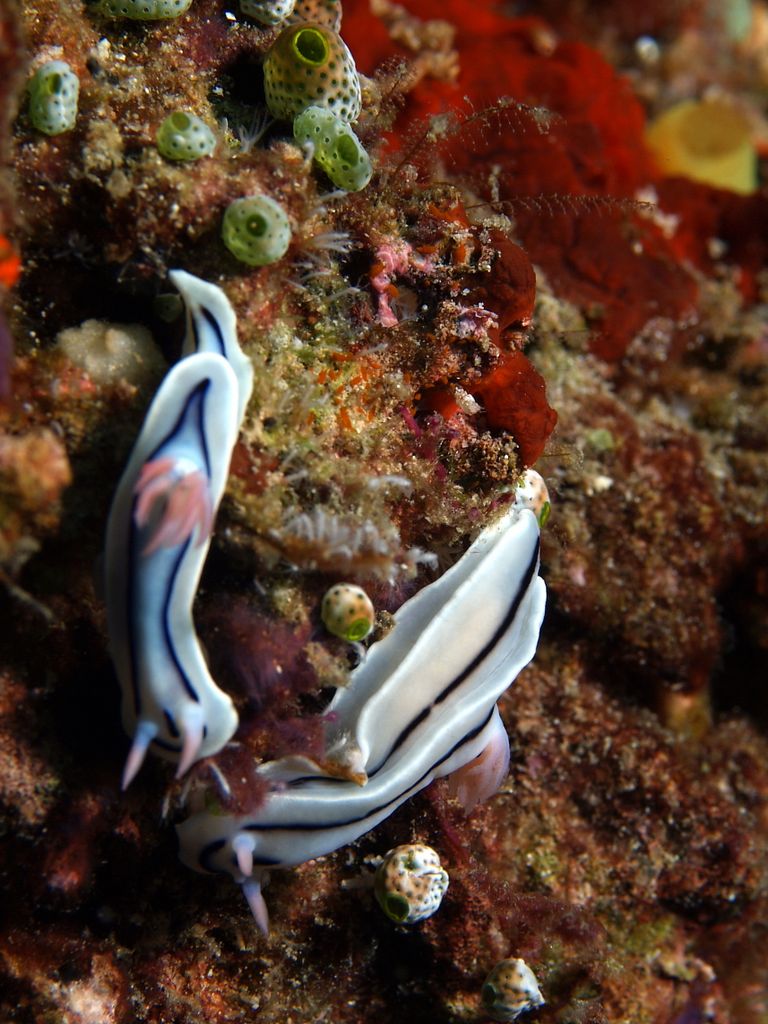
pixel 347 612
pixel 410 883
pixel 256 230
pixel 336 148
pixel 510 989
pixel 268 12
pixel 184 136
pixel 53 94
pixel 309 65
pixel 144 10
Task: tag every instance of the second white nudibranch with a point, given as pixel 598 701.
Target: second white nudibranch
pixel 420 707
pixel 159 533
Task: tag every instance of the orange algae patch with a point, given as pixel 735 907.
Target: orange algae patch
pixel 440 400
pixel 345 420
pixel 509 289
pixel 515 399
pixel 589 260
pixel 565 186
pixel 616 267
pixel 10 263
pixel 363 369
pixel 452 215
pixel 740 222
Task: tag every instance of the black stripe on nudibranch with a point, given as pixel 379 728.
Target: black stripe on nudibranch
pixel 204 397
pixel 192 322
pixel 509 618
pixel 213 323
pixel 195 396
pixel 187 683
pixel 173 748
pixel 216 846
pixel 170 722
pixel 204 857
pixel 507 621
pixel 372 812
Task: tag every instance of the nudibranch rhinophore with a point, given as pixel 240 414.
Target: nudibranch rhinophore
pixel 158 536
pixel 421 706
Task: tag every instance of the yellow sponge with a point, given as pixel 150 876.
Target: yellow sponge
pixel 707 140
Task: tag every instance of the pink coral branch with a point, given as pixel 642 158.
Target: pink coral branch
pixel 391 258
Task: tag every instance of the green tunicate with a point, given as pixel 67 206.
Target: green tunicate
pixel 319 12
pixel 510 990
pixel 310 65
pixel 396 907
pixel 256 230
pixel 738 18
pixel 347 612
pixel 53 93
pixel 268 12
pixel 183 136
pixel 144 10
pixel 601 438
pixel 336 147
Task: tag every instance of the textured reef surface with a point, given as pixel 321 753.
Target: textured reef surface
pixel 528 278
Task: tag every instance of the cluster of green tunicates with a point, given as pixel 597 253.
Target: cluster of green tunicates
pixel 336 148
pixel 268 12
pixel 53 93
pixel 144 10
pixel 256 230
pixel 310 65
pixel 183 136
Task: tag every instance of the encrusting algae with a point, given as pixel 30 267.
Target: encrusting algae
pixel 468 255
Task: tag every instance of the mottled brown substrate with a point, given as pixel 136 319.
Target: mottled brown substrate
pixel 625 858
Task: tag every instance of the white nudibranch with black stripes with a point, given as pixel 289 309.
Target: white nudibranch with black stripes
pixel 421 706
pixel 158 535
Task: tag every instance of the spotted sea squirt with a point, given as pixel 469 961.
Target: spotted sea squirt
pixel 268 12
pixel 347 612
pixel 256 230
pixel 311 65
pixel 184 136
pixel 53 95
pixel 144 10
pixel 410 883
pixel 335 147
